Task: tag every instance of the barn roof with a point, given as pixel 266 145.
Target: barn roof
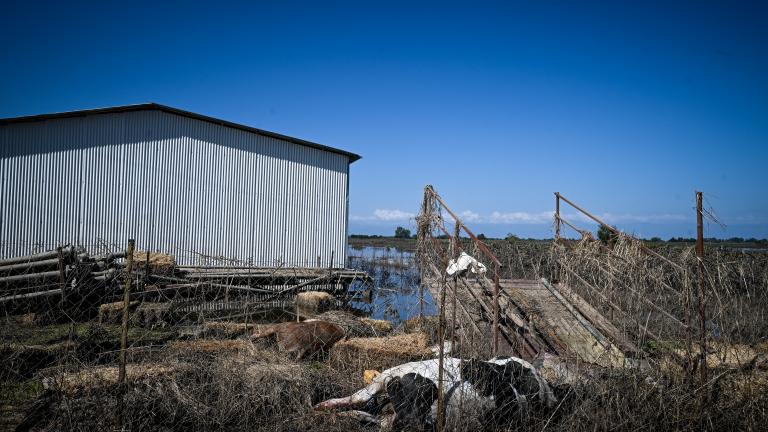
pixel 154 106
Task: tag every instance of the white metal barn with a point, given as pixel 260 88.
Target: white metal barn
pixel 178 182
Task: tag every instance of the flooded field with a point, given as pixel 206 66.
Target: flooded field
pixel 394 294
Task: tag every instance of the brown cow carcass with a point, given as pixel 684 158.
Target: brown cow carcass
pixel 303 338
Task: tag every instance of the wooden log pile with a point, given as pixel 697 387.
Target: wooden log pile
pixel 70 276
pixel 58 273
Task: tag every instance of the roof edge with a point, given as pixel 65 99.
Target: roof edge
pixel 155 106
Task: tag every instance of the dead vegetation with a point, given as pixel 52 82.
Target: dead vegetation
pixel 381 352
pixel 206 375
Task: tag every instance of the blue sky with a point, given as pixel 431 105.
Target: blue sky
pixel 625 109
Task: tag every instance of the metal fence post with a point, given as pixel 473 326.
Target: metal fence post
pixel 496 310
pixel 701 293
pixel 555 266
pixel 557 216
pixel 441 352
pixel 126 304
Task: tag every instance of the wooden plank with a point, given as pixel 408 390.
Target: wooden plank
pixel 598 319
pixel 579 317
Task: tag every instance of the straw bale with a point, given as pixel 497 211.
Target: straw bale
pixel 314 301
pixel 226 328
pixel 212 346
pixel 157 260
pixel 354 326
pixel 380 326
pixel 112 313
pixel 97 378
pixel 151 314
pixel 381 353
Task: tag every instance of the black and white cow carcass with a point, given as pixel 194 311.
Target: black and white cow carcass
pixel 478 394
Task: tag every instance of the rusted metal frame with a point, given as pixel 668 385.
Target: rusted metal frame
pixel 455 253
pixel 608 301
pixel 489 254
pixel 532 348
pixel 665 285
pixel 701 294
pixel 607 273
pixel 653 305
pixel 620 233
pixel 477 241
pixel 496 310
pixel 557 216
pixel 519 321
pixel 463 308
pixel 534 331
pixel 441 352
pixel 495 291
pixel 555 269
pixel 574 227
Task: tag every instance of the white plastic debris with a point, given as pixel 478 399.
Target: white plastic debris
pixel 463 263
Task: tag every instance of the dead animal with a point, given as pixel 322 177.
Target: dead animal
pixel 302 339
pixel 476 392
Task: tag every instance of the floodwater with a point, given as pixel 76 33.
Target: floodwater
pixel 395 293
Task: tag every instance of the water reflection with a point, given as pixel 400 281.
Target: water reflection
pixel 394 294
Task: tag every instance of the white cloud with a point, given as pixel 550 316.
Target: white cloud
pixel 392 215
pixel 470 216
pixel 524 218
pixel 626 217
pixel 521 217
pixel 385 215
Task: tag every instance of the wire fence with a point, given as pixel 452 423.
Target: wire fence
pixel 194 357
pixel 104 339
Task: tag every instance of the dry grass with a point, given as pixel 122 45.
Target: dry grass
pixel 158 262
pixel 207 385
pixel 314 301
pixel 95 379
pixel 380 353
pixel 212 346
pixel 112 313
pixel 381 327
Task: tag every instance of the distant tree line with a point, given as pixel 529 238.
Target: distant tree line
pixel 717 240
pixel 604 234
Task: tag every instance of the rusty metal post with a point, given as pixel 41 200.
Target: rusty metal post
pixel 643 247
pixel 441 348
pixel 455 255
pixel 555 266
pixel 557 216
pixel 126 304
pixel 496 310
pixel 701 293
pixel 469 232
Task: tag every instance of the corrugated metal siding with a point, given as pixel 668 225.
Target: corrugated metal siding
pixel 177 185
